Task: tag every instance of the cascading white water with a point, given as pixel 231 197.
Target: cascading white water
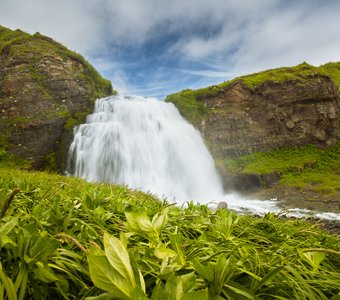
pixel 147 145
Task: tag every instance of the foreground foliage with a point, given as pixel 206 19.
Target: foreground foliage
pixel 62 238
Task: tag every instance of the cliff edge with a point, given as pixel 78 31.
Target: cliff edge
pixel 285 108
pixel 45 89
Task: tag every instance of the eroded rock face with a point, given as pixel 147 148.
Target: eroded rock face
pixel 272 116
pixel 45 89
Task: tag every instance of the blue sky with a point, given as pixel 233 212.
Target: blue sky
pixel 157 47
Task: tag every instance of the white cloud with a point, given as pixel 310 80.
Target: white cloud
pixel 209 73
pixel 227 36
pixel 71 22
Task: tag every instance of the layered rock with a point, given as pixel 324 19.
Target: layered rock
pixel 45 89
pixel 280 108
pixel 274 115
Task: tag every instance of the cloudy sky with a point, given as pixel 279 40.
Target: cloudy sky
pixel 157 47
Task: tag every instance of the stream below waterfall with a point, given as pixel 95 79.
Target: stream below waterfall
pixel 146 144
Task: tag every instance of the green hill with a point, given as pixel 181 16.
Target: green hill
pixel 45 89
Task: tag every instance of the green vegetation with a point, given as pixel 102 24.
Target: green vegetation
pixel 309 167
pixel 63 238
pixel 190 102
pixel 20 44
pixel 333 71
pixel 8 160
pixel 191 109
pixel 298 73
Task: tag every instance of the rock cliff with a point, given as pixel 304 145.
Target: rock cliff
pixel 280 108
pixel 45 89
pixel 274 115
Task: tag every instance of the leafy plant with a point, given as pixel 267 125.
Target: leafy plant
pixel 59 240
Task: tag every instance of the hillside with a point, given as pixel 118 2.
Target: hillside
pixel 53 230
pixel 280 109
pixel 45 89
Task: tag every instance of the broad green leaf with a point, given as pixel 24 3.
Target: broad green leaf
pixel 43 248
pixel 176 243
pixel 222 271
pixel 104 296
pixel 5 240
pixel 158 293
pixel 313 258
pixel 177 286
pixel 159 220
pixel 44 273
pixel 138 294
pixel 8 226
pixel 106 277
pixel 140 223
pixel 162 252
pixel 205 272
pixel 196 295
pixel 118 257
pixel 8 285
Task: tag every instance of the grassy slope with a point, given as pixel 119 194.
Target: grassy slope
pixel 305 167
pixel 190 104
pixel 28 50
pixel 47 233
pixel 30 47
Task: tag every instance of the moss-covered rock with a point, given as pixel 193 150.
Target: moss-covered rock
pixel 284 108
pixel 193 105
pixel 44 87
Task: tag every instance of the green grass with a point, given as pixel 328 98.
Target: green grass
pixel 305 167
pixel 333 71
pixel 191 109
pixel 190 103
pixel 298 73
pixel 9 161
pixel 22 45
pixel 63 238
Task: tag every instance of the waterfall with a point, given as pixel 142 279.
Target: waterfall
pixel 144 144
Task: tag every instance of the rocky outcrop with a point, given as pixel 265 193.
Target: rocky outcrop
pixel 274 115
pixel 281 108
pixel 45 90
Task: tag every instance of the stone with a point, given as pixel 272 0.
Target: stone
pixel 290 124
pixel 222 205
pixel 320 134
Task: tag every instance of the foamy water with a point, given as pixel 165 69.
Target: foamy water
pixel 146 144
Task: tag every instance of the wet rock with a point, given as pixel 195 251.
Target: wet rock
pixel 222 205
